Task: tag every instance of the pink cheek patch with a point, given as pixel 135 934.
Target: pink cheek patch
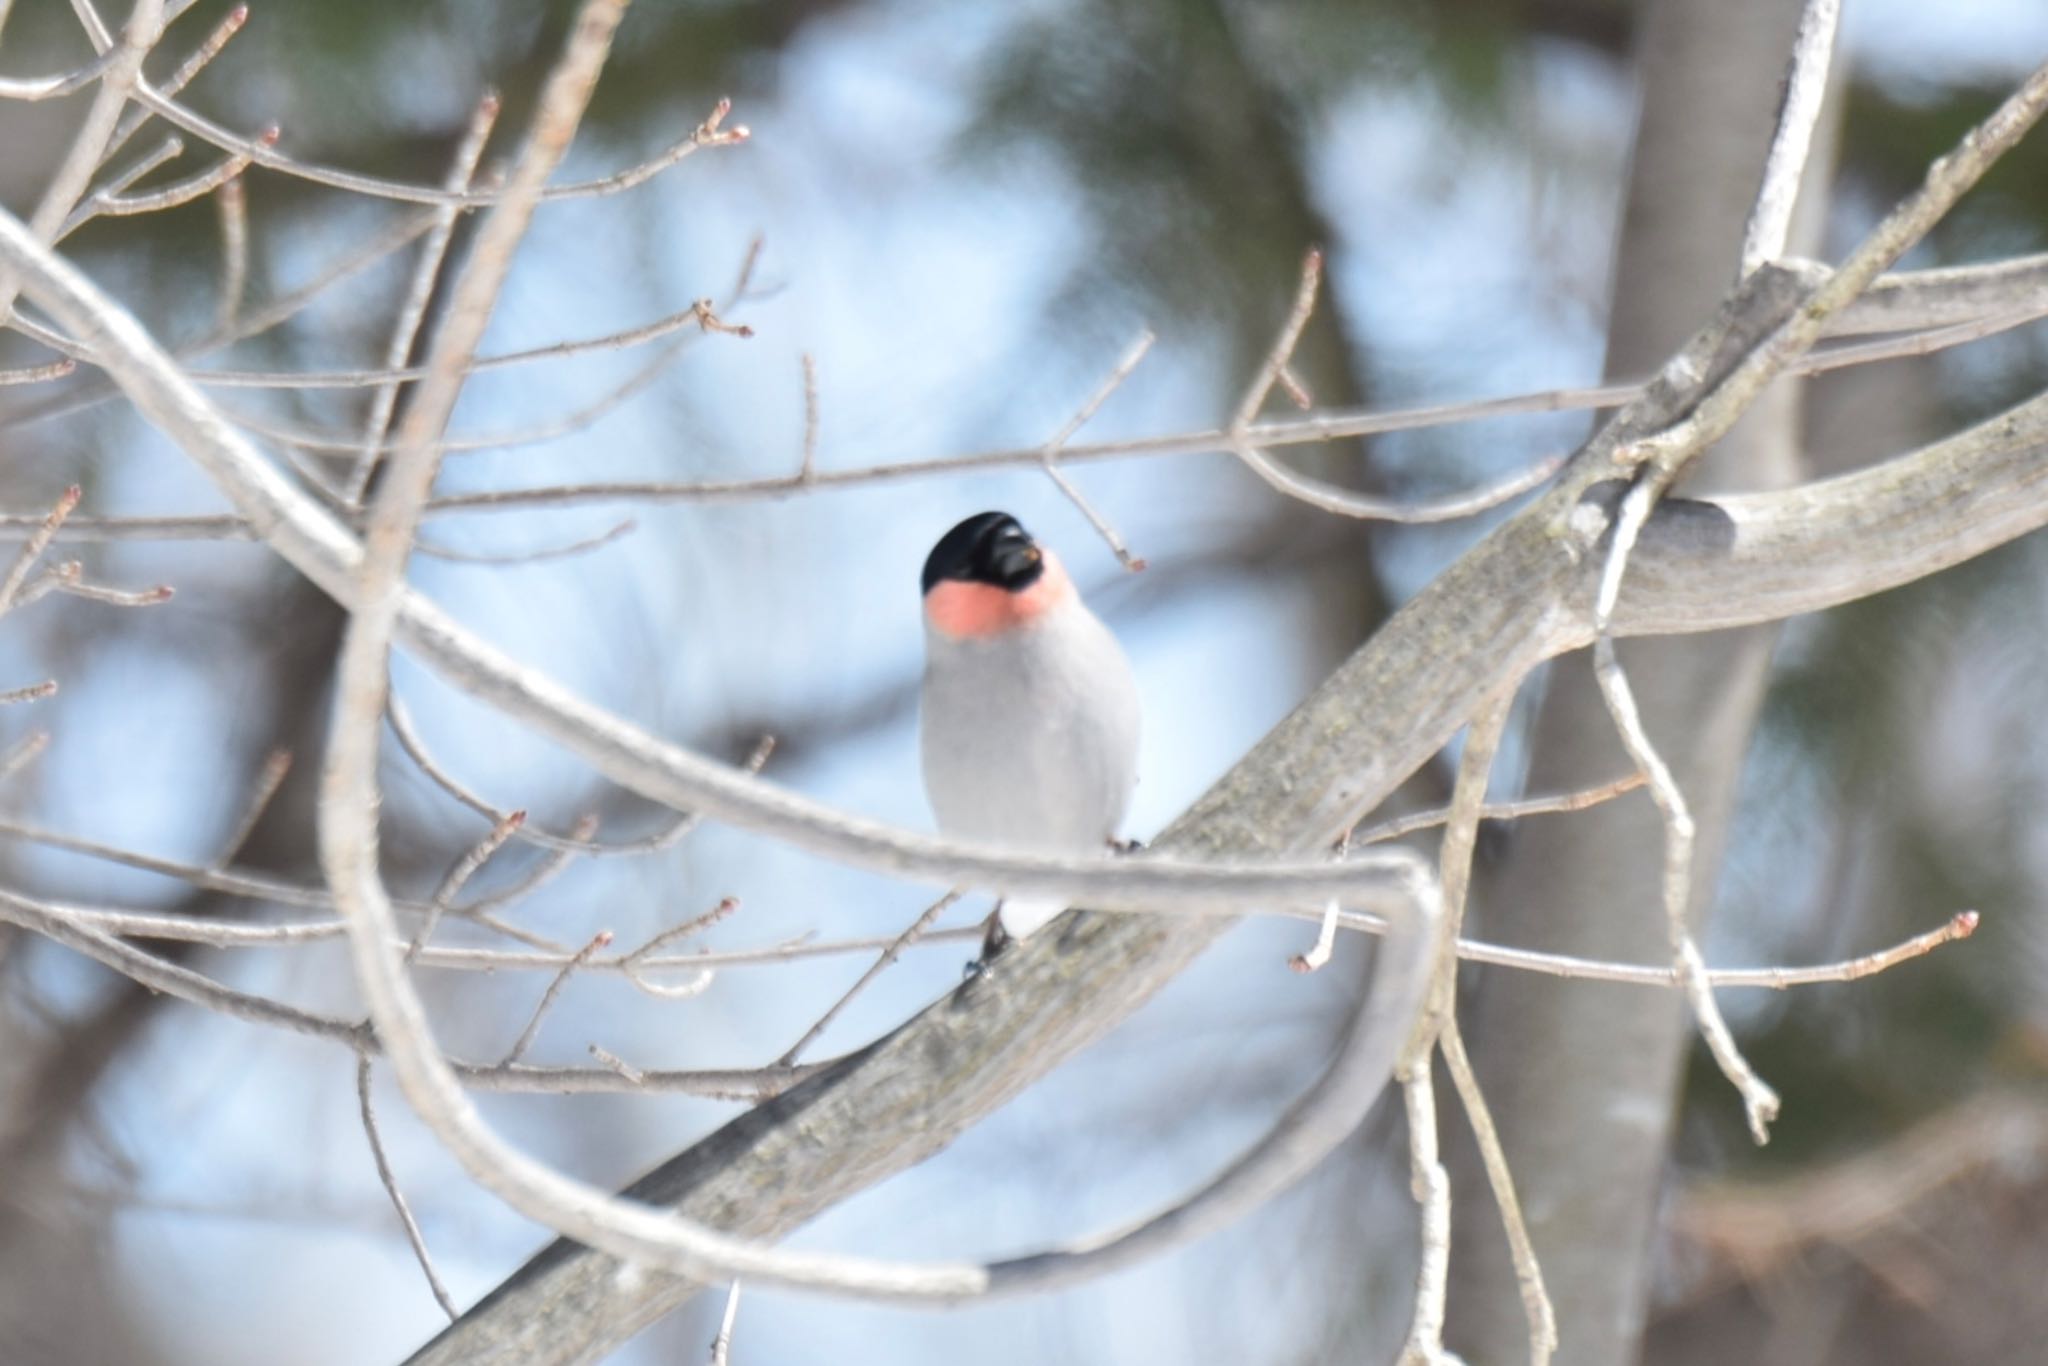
pixel 966 610
pixel 969 609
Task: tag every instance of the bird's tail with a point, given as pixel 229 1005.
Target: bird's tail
pixel 1021 915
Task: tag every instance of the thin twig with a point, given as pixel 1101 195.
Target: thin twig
pixel 875 969
pixel 807 469
pixel 1326 933
pixel 37 374
pixel 30 89
pixel 721 1345
pixel 230 24
pixel 1806 86
pixel 157 100
pixel 167 151
pixel 1319 952
pixel 57 576
pixel 67 927
pixel 276 767
pixel 68 185
pixel 1482 743
pixel 637 963
pixel 618 340
pixel 460 873
pixel 1430 1183
pixel 581 546
pixel 1050 454
pixel 555 984
pixel 305 438
pixel 23 753
pixel 1536 1305
pixel 37 543
pixel 1759 1101
pixel 615 1063
pixel 390 1181
pixel 1328 497
pixel 109 205
pixel 1578 800
pixel 543 872
pixel 232 204
pixel 399 718
pixel 1430 1186
pixel 412 310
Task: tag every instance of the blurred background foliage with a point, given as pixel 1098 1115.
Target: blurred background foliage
pixel 967 212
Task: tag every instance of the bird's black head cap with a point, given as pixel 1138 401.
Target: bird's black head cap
pixel 989 547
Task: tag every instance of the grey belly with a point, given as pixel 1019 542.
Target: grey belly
pixel 1053 775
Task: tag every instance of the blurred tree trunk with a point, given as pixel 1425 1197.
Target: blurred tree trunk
pixel 1583 1078
pixel 56 1282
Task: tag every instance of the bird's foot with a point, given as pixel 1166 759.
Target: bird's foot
pixel 994 939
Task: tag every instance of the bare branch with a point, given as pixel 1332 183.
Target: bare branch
pixel 32 692
pixel 31 89
pixel 390 1182
pixel 721 1345
pixel 1948 178
pixel 233 205
pixel 561 979
pixel 114 205
pixel 72 927
pixel 23 753
pixel 400 720
pixel 1132 356
pixel 413 309
pixel 807 469
pixel 1430 1183
pixel 32 550
pixel 1806 85
pixel 709 133
pixel 1500 811
pixel 121 79
pixel 1536 1305
pixel 230 24
pixel 1759 1101
pixel 582 545
pixel 459 875
pixel 1958 926
pixel 637 963
pixel 276 767
pixel 875 969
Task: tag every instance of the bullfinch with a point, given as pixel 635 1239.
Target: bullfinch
pixel 1029 712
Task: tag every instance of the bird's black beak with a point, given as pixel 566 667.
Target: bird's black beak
pixel 1017 561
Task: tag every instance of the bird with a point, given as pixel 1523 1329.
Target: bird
pixel 1029 711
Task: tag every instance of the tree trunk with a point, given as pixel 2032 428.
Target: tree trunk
pixel 1582 1077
